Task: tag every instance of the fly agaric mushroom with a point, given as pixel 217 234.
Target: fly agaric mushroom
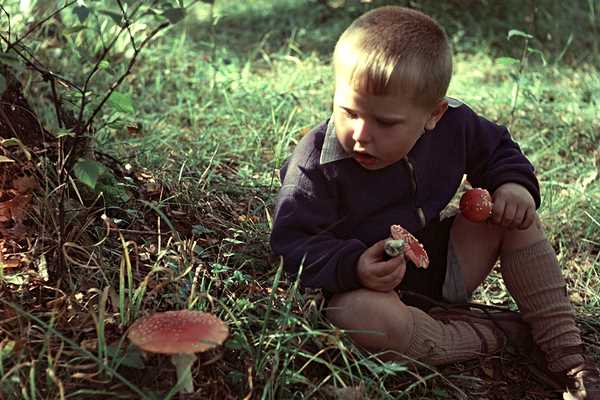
pixel 411 246
pixel 180 334
pixel 476 205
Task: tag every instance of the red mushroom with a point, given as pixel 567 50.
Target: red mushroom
pixel 476 205
pixel 412 248
pixel 180 334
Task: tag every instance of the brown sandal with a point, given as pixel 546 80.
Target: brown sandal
pixel 581 382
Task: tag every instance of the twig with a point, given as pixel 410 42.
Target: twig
pixel 522 63
pixel 127 24
pixel 7 17
pixel 61 202
pixel 95 69
pixel 100 59
pixel 122 77
pixel 40 23
pixel 57 106
pixel 37 66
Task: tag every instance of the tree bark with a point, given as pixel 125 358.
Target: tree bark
pixel 17 118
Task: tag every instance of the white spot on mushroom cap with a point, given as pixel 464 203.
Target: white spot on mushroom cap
pixel 172 332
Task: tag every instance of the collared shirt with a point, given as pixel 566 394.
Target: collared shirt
pixel 332 149
pixel 330 209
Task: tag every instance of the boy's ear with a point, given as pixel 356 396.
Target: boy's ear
pixel 436 114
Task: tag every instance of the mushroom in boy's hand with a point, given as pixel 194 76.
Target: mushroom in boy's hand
pixel 394 247
pixel 180 334
pixel 412 248
pixel 476 205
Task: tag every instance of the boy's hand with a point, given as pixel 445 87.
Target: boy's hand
pixel 514 206
pixel 375 272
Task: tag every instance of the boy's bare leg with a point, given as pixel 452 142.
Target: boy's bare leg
pixel 533 277
pixel 478 245
pixel 377 320
pixel 380 322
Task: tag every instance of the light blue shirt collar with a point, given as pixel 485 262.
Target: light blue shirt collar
pixel 332 149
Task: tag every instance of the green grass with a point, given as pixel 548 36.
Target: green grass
pixel 219 109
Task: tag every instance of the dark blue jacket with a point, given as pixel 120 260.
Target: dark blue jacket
pixel 330 209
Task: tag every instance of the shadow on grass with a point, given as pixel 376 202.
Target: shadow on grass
pixel 564 31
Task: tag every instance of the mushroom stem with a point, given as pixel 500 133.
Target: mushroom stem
pixel 394 247
pixel 183 364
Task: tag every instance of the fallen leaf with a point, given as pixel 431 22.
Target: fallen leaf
pixel 25 184
pixel 10 263
pixel 345 393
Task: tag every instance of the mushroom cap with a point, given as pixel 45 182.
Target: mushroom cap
pixel 414 250
pixel 173 332
pixel 476 205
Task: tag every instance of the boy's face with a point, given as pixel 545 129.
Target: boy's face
pixel 379 130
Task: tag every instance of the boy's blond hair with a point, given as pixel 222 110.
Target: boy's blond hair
pixel 399 43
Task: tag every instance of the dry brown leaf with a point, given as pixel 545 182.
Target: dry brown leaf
pixel 13 206
pixel 89 344
pixel 25 184
pixel 16 231
pixel 6 198
pixel 345 393
pixel 10 263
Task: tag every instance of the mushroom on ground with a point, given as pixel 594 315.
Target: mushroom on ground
pixel 412 248
pixel 180 334
pixel 476 205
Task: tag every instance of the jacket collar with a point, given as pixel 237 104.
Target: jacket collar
pixel 332 149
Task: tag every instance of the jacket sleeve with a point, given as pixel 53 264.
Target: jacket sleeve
pixel 493 158
pixel 305 215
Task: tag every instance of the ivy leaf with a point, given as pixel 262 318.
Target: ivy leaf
pixel 7 348
pixel 121 102
pixel 88 171
pixel 539 53
pixel 516 32
pixel 507 61
pixel 82 12
pixel 64 132
pixel 132 357
pixel 174 15
pixel 116 17
pixel 74 29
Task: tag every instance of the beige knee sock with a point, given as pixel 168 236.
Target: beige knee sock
pixel 436 343
pixel 533 277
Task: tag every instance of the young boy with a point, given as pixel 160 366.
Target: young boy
pixel 394 152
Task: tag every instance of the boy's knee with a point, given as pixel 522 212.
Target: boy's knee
pixel 374 320
pixel 464 230
pixel 518 238
pixel 360 301
pixel 494 233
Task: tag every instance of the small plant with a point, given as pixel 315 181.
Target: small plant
pixel 519 66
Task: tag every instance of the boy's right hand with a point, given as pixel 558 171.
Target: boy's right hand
pixel 378 272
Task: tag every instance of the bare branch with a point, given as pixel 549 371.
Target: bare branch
pixel 33 63
pixel 122 77
pixel 57 105
pixel 127 24
pixel 8 17
pixel 104 54
pixel 40 23
pixel 95 69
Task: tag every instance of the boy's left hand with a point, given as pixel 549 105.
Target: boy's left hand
pixel 514 207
